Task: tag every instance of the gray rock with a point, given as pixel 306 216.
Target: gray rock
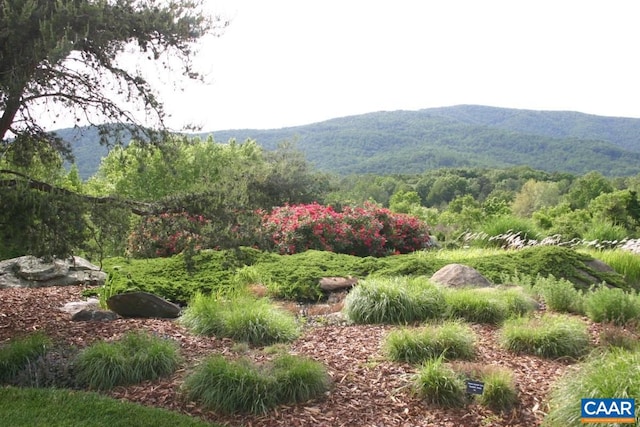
pixel 142 304
pixel 331 284
pixel 95 315
pixel 76 306
pixel 31 272
pixel 459 275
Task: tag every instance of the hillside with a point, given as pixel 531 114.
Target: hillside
pixel 460 136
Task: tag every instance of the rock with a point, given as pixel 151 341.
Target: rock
pixel 460 275
pixel 96 315
pixel 142 304
pixel 600 266
pixel 76 306
pixel 31 272
pixel 331 284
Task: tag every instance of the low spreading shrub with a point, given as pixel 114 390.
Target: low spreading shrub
pixel 239 317
pixel 451 340
pixel 136 357
pixel 612 305
pixel 18 353
pixel 243 387
pixel 551 336
pixel 613 373
pixel 53 368
pixel 393 300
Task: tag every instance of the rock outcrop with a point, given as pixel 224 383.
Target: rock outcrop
pixel 31 272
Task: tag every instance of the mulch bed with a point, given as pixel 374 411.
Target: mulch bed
pixel 367 390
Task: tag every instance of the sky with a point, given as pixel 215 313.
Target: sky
pixel 284 63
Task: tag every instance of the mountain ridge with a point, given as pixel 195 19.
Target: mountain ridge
pixel 412 141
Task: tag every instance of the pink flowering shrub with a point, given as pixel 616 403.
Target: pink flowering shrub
pixel 363 231
pixel 167 234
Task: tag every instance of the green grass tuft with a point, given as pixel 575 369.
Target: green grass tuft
pixel 240 317
pixel 19 352
pixel 243 387
pixel 613 373
pixel 451 340
pixel 136 357
pixel 499 390
pixel 476 306
pixel 559 295
pixel 551 336
pixel 624 262
pixel 394 301
pixel 299 379
pixel 612 305
pixel 437 383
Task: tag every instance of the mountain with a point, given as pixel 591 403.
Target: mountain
pixel 389 142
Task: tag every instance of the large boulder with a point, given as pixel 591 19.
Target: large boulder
pixel 142 304
pixel 31 272
pixel 460 275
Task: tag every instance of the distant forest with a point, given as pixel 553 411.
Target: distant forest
pixel 413 142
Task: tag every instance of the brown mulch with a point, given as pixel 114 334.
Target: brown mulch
pixel 367 390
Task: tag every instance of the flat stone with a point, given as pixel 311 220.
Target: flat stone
pixel 75 306
pixel 331 284
pixel 94 315
pixel 142 304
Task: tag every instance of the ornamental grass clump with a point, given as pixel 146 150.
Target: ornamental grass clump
pixel 439 384
pixel 550 336
pixel 240 317
pixel 136 357
pixel 18 353
pixel 450 340
pixel 559 295
pixel 613 373
pixel 393 301
pixel 612 305
pixel 242 386
pixel 298 379
pixel 499 389
pixel 621 337
pixel 475 306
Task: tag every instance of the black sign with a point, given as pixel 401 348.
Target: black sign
pixel 475 387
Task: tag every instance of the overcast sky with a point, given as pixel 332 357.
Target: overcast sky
pixel 292 62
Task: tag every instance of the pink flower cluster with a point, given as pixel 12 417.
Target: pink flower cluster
pixel 363 231
pixel 166 234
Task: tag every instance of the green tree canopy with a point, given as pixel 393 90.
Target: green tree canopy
pixel 64 54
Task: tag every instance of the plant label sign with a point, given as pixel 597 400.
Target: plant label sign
pixel 475 387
